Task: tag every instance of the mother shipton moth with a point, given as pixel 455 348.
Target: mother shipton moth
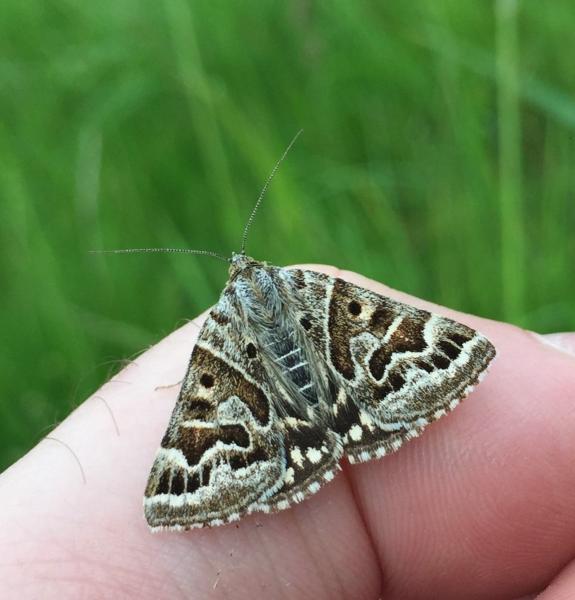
pixel 293 370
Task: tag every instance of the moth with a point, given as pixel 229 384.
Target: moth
pixel 293 370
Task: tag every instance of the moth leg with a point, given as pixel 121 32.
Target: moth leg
pixel 168 386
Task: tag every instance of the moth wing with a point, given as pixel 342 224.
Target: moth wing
pixel 398 368
pixel 311 449
pixel 222 450
pixel 312 454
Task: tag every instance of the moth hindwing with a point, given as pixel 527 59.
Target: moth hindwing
pixel 292 370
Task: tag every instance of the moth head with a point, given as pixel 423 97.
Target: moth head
pixel 239 262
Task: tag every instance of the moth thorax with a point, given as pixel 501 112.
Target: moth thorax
pixel 259 296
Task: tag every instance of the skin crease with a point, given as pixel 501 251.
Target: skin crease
pixel 480 506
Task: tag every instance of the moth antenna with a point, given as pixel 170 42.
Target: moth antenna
pixel 162 250
pixel 54 439
pixel 264 189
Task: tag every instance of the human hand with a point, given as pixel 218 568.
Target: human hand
pixel 481 506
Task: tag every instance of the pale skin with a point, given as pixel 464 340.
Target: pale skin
pixel 481 506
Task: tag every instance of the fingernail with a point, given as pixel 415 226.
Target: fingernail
pixel 565 342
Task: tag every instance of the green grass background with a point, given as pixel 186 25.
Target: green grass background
pixel 437 157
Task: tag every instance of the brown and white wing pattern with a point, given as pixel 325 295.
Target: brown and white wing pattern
pixel 312 454
pixel 397 368
pixel 292 370
pixel 223 449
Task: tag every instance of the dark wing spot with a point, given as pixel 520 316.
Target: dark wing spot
pixel 381 319
pixel 258 454
pixel 377 363
pixel 178 484
pixel 449 349
pixel 197 408
pixel 347 414
pixel 396 380
pixel 305 435
pixel 164 483
pixel 354 308
pixel 193 483
pixel 305 323
pixel 207 380
pixel 441 362
pixel 424 366
pixel 206 471
pixel 219 318
pixel 382 391
pixel 238 461
pixel 251 350
pixel 458 338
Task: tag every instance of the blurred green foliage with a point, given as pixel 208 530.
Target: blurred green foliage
pixel 437 157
